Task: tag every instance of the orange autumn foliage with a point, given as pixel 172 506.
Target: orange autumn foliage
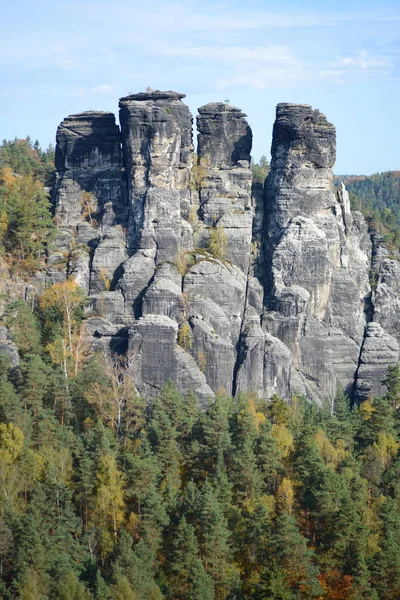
pixel 336 585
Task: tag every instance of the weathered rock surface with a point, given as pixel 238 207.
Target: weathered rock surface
pixel 380 349
pixel 224 146
pixel 90 198
pixel 88 160
pixel 157 358
pixel 157 143
pixel 318 257
pixel 386 299
pixel 212 281
pixel 7 346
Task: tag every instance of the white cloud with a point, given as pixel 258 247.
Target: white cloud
pixel 257 67
pixel 104 88
pixel 362 60
pixel 67 64
pixel 235 54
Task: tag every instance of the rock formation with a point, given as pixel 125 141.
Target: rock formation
pixel 318 256
pixel 7 347
pixel 208 280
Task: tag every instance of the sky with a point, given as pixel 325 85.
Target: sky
pixel 61 57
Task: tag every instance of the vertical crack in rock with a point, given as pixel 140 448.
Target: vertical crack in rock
pixel 216 285
pixel 90 199
pixel 318 256
pixel 380 346
pixel 209 282
pixel 157 145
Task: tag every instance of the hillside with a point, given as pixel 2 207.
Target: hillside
pixel 199 380
pixel 378 198
pixel 375 192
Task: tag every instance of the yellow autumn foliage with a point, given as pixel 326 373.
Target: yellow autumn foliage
pixel 284 439
pixel 268 500
pixel 250 409
pixel 11 443
pixel 386 448
pixel 185 337
pixel 366 409
pixel 331 455
pixel 258 417
pixel 285 496
pixel 3 224
pixel 110 504
pixel 71 350
pixel 8 178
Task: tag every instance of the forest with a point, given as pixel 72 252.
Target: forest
pixel 378 198
pixel 106 497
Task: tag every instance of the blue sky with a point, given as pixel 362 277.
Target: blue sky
pixel 65 56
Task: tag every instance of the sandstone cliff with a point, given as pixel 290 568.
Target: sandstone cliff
pixel 206 280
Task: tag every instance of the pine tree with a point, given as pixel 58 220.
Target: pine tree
pixel 163 436
pixel 100 588
pixel 122 590
pixel 386 564
pixel 137 564
pixel 268 459
pixel 187 577
pixel 35 384
pixel 245 474
pixel 70 588
pixel 290 553
pixel 26 207
pixel 214 545
pixel 11 407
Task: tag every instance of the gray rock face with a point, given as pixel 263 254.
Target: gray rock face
pixel 318 259
pixel 157 143
pixel 7 346
pixel 157 357
pixel 109 255
pixel 90 197
pixel 380 349
pixel 224 146
pixel 88 159
pixel 210 281
pixel 386 299
pixel 219 124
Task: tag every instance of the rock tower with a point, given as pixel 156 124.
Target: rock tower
pixel 208 280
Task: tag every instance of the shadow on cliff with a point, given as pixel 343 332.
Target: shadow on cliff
pixel 242 147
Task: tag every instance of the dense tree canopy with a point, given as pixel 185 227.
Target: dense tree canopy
pixel 27 158
pixel 104 496
pixel 378 198
pixel 25 212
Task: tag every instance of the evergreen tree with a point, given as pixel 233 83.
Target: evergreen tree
pixel 290 553
pixel 386 564
pixel 70 588
pixel 11 407
pixel 187 577
pixel 215 551
pixel 24 327
pixel 100 588
pixel 25 217
pixel 137 565
pixel 122 590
